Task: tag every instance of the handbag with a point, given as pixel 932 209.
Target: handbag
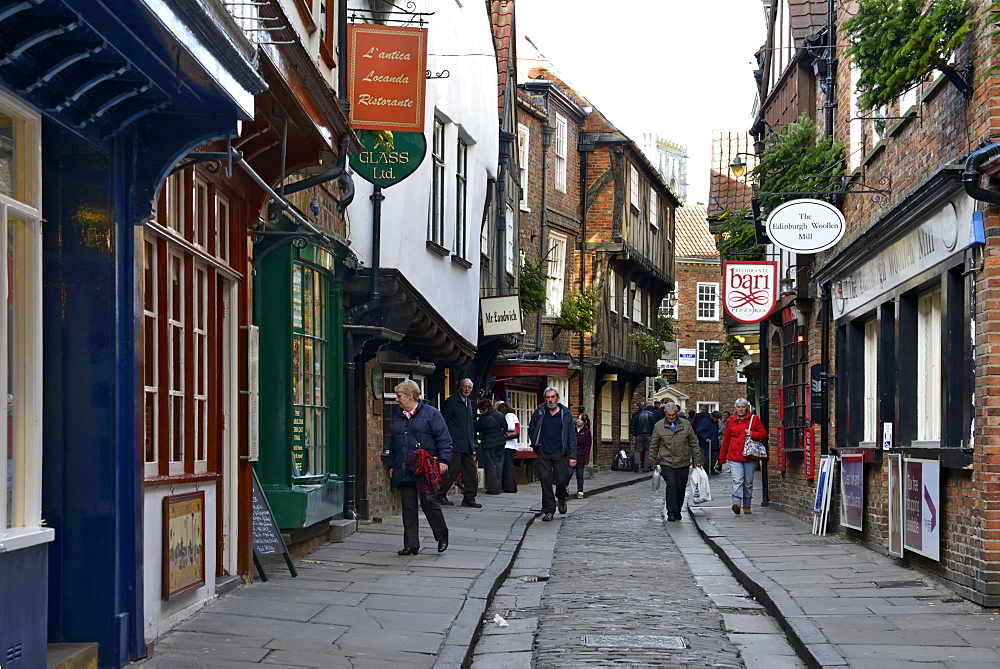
pixel 753 449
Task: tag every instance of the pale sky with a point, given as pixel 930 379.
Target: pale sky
pixel 679 69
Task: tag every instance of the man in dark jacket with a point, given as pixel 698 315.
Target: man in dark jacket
pixel 706 427
pixel 657 411
pixel 553 437
pixel 641 429
pixel 490 427
pixel 460 414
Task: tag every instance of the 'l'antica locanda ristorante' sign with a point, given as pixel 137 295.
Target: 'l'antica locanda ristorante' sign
pixel 387 77
pixel 749 290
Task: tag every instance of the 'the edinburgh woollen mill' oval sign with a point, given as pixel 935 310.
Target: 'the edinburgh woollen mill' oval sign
pixel 805 226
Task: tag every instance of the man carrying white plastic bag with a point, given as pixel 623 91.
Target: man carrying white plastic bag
pixel 675 449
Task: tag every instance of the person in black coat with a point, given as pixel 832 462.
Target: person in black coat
pixel 490 426
pixel 415 428
pixel 459 412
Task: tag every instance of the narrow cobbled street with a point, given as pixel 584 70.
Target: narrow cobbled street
pixel 613 583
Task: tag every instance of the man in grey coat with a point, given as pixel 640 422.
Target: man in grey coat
pixel 553 438
pixel 674 447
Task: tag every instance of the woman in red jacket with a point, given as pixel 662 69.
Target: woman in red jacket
pixel 741 424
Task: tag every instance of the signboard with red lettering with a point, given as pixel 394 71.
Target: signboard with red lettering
pixel 808 454
pixel 749 290
pixel 922 507
pixel 386 86
pixel 852 490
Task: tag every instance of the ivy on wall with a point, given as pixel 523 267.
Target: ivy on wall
pixel 895 43
pixel 579 310
pixel 531 285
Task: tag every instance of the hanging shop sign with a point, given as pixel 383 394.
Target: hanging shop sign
pixel 382 163
pixel 805 226
pixel 500 315
pixel 922 507
pixel 852 490
pixel 387 81
pixel 749 290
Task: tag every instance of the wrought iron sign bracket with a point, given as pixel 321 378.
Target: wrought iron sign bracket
pixel 409 10
pixel 879 195
pixel 214 161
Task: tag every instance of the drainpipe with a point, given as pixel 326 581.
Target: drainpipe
pixel 831 98
pixel 350 364
pixel 765 403
pixel 971 175
pixel 824 439
pixel 543 236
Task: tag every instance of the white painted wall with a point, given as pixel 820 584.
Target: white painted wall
pixel 467 100
pixel 160 615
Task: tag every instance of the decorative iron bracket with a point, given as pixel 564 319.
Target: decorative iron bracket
pixel 879 195
pixel 214 160
pixel 409 10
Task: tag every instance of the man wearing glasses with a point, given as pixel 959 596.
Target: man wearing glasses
pixel 553 438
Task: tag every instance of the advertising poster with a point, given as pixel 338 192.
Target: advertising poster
pixel 921 501
pixel 852 490
pixel 896 504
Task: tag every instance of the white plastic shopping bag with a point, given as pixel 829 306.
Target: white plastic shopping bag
pixel 656 478
pixel 700 490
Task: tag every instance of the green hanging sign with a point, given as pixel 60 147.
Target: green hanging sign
pixel 388 157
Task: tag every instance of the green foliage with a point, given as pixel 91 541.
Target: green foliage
pixel 647 343
pixel 665 328
pixel 532 286
pixel 737 238
pixel 795 160
pixel 895 43
pixel 579 309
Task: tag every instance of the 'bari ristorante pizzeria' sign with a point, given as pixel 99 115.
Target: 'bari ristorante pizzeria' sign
pixel 387 81
pixel 749 289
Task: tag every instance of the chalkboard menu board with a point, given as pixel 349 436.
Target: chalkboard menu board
pixel 266 537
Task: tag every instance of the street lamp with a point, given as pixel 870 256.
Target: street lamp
pixel 671 299
pixel 738 167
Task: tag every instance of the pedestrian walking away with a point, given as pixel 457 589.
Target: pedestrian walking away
pixel 706 428
pixel 553 438
pixel 657 411
pixel 512 434
pixel 641 429
pixel 584 441
pixel 742 424
pixel 460 415
pixel 675 449
pixel 419 453
pixel 490 427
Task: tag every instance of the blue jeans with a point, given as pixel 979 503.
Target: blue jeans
pixel 742 473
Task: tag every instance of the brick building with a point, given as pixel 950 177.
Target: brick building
pixel 703 384
pixel 901 313
pixel 598 213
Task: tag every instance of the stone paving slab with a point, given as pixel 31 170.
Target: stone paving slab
pixel 825 597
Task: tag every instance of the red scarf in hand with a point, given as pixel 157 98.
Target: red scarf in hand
pixel 425 468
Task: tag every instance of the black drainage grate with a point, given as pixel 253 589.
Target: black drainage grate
pixel 898 584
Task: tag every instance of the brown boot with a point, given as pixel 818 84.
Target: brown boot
pixel 736 509
pixel 746 510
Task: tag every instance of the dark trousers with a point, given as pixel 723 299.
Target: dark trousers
pixel 492 460
pixel 552 471
pixel 641 451
pixel 675 480
pixel 465 463
pixel 509 478
pixel 579 471
pixel 709 454
pixel 411 526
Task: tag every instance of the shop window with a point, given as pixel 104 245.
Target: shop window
pixel 524 404
pixel 708 301
pixel 793 385
pixel 624 413
pixel 708 370
pixel 606 411
pixel 871 382
pixel 562 145
pixel 556 272
pixel 310 364
pixel 21 327
pixel 929 366
pixel 185 277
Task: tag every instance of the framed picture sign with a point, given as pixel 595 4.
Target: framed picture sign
pixel 183 543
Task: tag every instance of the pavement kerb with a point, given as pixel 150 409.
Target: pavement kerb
pixel 456 649
pixel 807 639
